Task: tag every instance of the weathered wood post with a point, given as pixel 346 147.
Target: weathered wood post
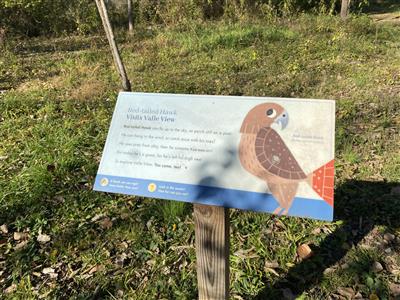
pixel 212 251
pixel 344 10
pixel 101 7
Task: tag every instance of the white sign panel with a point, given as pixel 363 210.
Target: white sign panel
pixel 263 154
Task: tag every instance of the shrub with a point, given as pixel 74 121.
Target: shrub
pixel 44 17
pixel 55 17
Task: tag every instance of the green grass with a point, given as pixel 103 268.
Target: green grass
pixel 54 116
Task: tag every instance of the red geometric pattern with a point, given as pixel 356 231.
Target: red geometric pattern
pixel 323 181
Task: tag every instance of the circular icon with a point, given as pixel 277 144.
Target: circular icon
pixel 104 181
pixel 152 187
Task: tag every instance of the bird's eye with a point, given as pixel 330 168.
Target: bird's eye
pixel 271 113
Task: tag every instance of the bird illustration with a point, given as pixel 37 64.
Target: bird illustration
pixel 264 154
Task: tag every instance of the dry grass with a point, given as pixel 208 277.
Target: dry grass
pixel 89 90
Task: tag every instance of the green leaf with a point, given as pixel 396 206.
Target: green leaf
pixel 370 282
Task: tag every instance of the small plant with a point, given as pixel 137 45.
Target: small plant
pixel 171 211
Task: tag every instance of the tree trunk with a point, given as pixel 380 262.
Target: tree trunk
pixel 126 85
pixel 2 36
pixel 344 11
pixel 130 17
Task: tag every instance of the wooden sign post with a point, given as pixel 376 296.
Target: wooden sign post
pixel 212 251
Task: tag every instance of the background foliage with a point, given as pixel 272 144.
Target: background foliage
pixel 38 17
pixel 57 17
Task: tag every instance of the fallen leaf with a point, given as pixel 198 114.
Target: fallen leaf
pixel 120 293
pixel 316 231
pixel 12 288
pixel 328 271
pixel 270 270
pixel 366 247
pixel 4 228
pixel 123 245
pixel 376 267
pixel 148 223
pixel 21 245
pixel 304 251
pixel 346 292
pixel 394 289
pixel 289 264
pixel 358 296
pixel 273 264
pixel 97 217
pixel 43 238
pixel 395 272
pixel 47 270
pixel 151 262
pixel 20 236
pixel 389 237
pixel 95 269
pixel 106 223
pixel 120 259
pixel 344 266
pixel 279 224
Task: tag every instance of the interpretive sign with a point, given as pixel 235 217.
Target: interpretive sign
pixel 256 153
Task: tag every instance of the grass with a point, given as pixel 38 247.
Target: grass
pixel 55 108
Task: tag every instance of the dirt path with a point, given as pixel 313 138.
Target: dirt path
pixel 385 11
pixel 391 17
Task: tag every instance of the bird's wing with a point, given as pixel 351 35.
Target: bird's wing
pixel 275 157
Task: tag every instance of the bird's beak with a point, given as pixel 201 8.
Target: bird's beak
pixel 283 119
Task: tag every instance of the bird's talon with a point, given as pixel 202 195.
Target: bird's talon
pixel 277 210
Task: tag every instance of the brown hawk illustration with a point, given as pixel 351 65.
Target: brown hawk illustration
pixel 263 153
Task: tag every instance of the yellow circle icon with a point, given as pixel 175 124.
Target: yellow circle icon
pixel 152 187
pixel 104 182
